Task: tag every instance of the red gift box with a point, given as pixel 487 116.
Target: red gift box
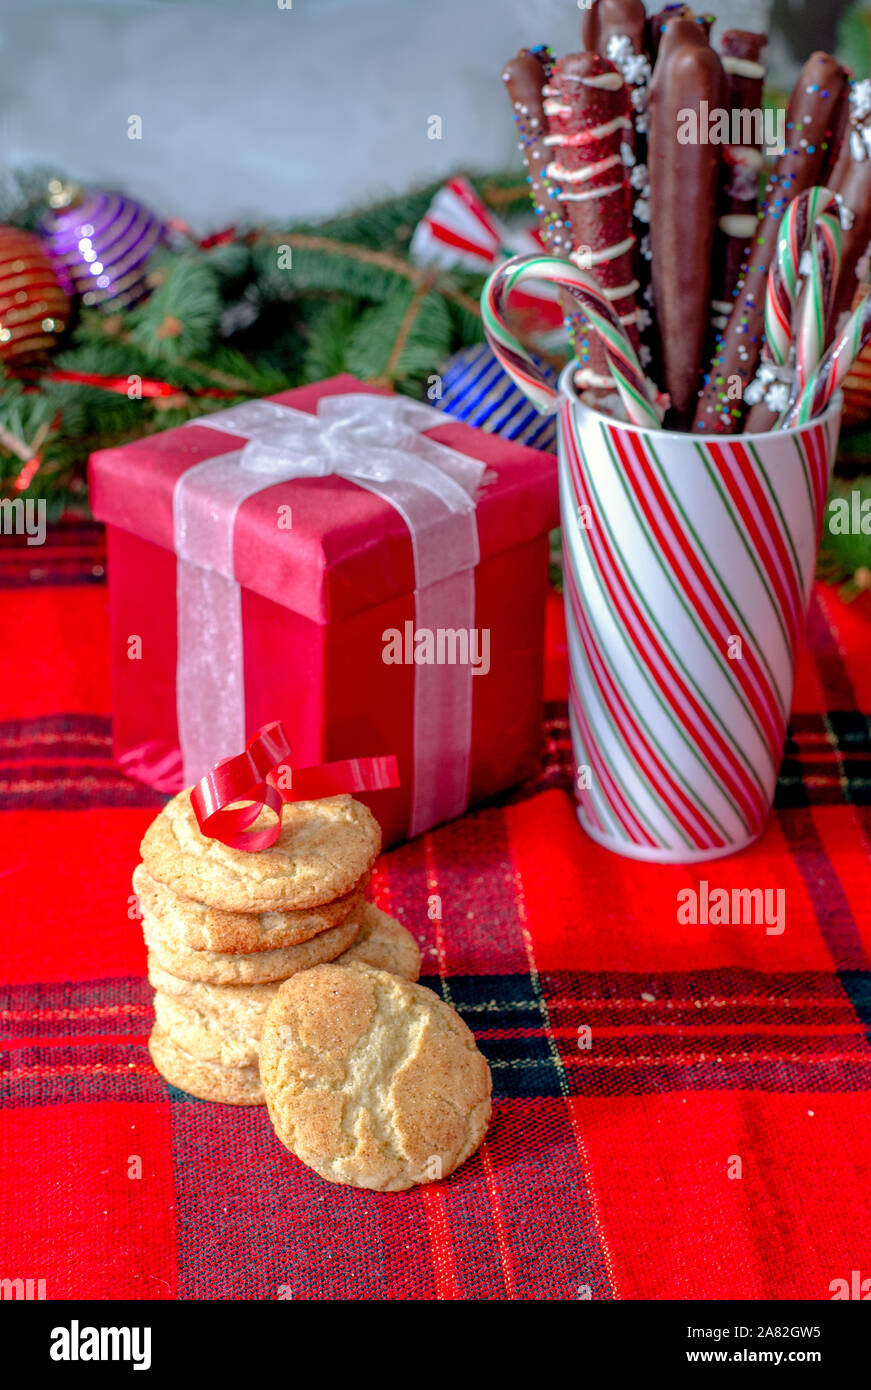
pixel 301 600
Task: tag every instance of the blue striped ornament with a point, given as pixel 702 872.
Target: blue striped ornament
pixel 476 390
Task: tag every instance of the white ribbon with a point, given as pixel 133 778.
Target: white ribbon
pixel 378 443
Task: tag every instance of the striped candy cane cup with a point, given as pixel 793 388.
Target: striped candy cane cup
pixel 688 562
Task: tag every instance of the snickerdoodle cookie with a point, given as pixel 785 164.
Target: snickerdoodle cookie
pixel 206 1080
pixel 244 1001
pixel 203 928
pixel 226 968
pixel 384 944
pixel 372 1080
pixel 324 849
pixel 216 1023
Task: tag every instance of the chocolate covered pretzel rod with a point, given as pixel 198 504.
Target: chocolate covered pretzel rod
pixel 688 81
pixel 589 116
pixel 739 174
pixel 657 24
pixel 851 184
pixel 812 122
pixel 607 19
pixel 525 77
pixel 616 29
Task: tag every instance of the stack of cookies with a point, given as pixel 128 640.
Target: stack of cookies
pixel 224 928
pixel 276 982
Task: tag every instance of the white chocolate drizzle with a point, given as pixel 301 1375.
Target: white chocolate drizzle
pixel 605 81
pixel 560 174
pixel 742 224
pixel 741 67
pixel 622 291
pixel 586 194
pixel 585 258
pixel 596 132
pixel 585 376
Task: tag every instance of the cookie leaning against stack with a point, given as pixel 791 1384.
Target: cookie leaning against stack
pixel 372 1080
pixel 223 927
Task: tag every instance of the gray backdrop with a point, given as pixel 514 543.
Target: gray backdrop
pixel 253 111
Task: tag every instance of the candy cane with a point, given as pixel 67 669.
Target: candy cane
pixel 635 391
pixel 833 368
pixel 798 304
pixel 799 296
pixel 817 297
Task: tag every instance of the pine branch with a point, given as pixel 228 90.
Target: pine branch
pixel 342 248
pixel 22 196
pixel 391 370
pixel 228 323
pixel 402 341
pixel 425 279
pixel 111 331
pixel 329 333
pixel 845 556
pixel 504 197
pixel 181 316
pixel 13 445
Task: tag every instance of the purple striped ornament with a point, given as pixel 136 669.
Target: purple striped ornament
pixel 688 562
pixel 100 243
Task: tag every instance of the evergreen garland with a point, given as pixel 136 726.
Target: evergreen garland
pixel 263 312
pixel 853 42
pixel 268 310
pixel 845 557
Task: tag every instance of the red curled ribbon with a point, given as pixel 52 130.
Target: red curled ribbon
pixel 149 387
pixel 247 777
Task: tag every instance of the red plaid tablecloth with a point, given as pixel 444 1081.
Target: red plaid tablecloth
pixel 608 1173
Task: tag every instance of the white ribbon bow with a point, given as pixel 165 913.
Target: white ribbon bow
pixel 377 441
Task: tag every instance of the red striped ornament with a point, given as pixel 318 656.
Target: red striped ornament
pixel 459 232
pixel 34 309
